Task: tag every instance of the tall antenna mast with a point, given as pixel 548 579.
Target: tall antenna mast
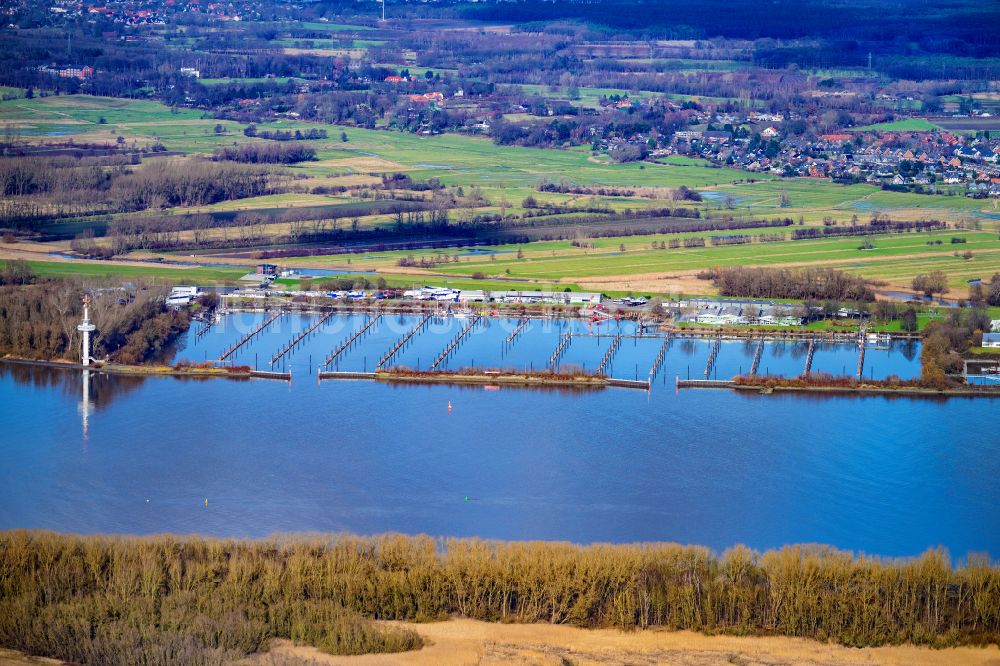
pixel 86 328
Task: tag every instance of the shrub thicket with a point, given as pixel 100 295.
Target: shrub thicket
pixel 105 600
pixel 809 283
pixel 38 321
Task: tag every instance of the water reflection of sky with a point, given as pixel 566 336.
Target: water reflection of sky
pixel 885 475
pixel 484 346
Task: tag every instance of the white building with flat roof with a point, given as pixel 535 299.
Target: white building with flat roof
pixel 549 297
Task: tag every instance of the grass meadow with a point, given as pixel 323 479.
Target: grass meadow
pixel 506 175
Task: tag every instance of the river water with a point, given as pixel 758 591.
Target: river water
pixel 888 476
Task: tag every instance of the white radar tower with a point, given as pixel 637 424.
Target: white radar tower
pixel 86 328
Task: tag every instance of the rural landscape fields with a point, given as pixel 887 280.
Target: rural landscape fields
pixel 631 331
pixel 501 178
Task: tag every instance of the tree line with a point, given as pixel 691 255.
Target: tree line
pixel 875 227
pixel 264 153
pixel 64 182
pixel 807 283
pixel 104 600
pixel 946 341
pixel 38 319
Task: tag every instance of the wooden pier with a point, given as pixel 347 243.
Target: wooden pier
pixel 402 341
pixel 249 336
pixel 658 361
pixel 756 358
pixel 712 356
pixel 206 328
pixel 809 358
pixel 517 331
pixel 564 341
pixel 347 343
pixel 455 342
pixel 300 337
pixel 624 336
pixel 608 355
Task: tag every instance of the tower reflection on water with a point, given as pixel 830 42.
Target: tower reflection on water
pixel 85 328
pixel 85 406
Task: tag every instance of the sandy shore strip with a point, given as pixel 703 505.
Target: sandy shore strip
pixel 466 642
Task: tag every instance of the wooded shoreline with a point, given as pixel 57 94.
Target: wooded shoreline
pixel 93 599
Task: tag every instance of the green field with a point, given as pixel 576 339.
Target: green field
pixel 509 174
pixel 332 27
pixel 590 97
pixel 458 160
pixel 895 259
pixel 193 275
pixel 248 80
pixel 907 125
pixel 417 281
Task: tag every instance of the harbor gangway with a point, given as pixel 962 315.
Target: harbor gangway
pixel 349 341
pixel 809 358
pixel 300 337
pixel 564 341
pixel 402 341
pixel 509 340
pixel 248 337
pixel 711 357
pixel 658 361
pixel 209 323
pixel 756 358
pixel 455 342
pixel 862 337
pixel 608 355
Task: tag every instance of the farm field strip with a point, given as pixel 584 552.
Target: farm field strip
pixel 842 253
pixel 469 161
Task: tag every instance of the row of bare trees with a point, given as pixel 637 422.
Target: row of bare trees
pixel 807 283
pixel 38 321
pixel 266 153
pixel 66 595
pixel 34 189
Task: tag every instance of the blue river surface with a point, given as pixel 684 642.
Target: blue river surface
pixel 886 476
